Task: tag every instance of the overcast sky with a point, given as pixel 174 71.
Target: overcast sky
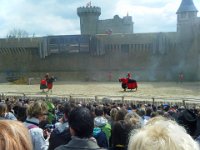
pixel 59 17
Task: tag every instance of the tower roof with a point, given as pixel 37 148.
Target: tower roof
pixel 187 5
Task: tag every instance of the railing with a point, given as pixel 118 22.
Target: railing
pixel 180 101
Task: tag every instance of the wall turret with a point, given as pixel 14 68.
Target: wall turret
pixel 89 17
pixel 187 22
pixel 186 13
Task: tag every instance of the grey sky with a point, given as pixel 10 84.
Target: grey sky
pixel 58 17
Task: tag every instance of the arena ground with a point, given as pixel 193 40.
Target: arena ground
pixel 168 90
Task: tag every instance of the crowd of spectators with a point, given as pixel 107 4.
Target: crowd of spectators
pixel 63 125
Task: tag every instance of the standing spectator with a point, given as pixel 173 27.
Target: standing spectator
pixel 100 136
pixel 61 134
pixel 4 114
pixel 162 134
pixel 37 112
pixel 14 136
pixel 119 131
pixel 113 114
pixel 81 124
pixel 101 122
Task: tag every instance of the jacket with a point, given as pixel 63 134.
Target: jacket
pixel 59 136
pixel 38 141
pixel 79 144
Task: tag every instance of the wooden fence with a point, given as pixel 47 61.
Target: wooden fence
pixel 180 101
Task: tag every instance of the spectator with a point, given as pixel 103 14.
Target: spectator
pixel 14 136
pixel 37 112
pixel 147 115
pixel 188 120
pixel 162 134
pixel 81 125
pixel 120 131
pixel 101 122
pixel 113 113
pixel 61 134
pixel 4 114
pixel 100 136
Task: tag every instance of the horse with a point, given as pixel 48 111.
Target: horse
pixel 128 83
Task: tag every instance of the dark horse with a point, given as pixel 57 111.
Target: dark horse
pixel 128 83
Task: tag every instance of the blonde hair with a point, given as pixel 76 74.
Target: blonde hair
pixel 37 108
pixel 162 134
pixel 3 109
pixel 133 119
pixel 14 136
pixel 113 113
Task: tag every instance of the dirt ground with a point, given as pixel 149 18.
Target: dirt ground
pixel 184 90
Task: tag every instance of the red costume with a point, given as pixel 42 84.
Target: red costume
pixel 43 84
pixel 50 82
pixel 129 75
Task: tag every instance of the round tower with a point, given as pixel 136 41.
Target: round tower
pixel 89 17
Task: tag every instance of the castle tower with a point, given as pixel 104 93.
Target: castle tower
pixel 89 17
pixel 186 13
pixel 187 22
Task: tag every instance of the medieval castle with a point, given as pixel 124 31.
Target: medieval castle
pixel 109 47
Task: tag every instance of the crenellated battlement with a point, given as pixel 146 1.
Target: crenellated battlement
pixel 91 9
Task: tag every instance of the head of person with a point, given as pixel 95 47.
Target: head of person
pixel 133 119
pixel 113 113
pixel 81 122
pixel 3 109
pixel 161 134
pixel 14 135
pixel 99 111
pixel 121 114
pixel 66 109
pixel 38 109
pixel 188 120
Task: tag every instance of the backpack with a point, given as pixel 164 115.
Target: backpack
pixel 107 130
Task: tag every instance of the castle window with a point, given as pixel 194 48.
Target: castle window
pixel 131 46
pixel 142 46
pixel 111 46
pixel 53 41
pixel 108 47
pixel 114 46
pixel 183 15
pixel 125 48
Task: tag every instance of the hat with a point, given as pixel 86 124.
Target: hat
pixel 188 120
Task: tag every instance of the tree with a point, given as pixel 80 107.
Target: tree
pixel 17 33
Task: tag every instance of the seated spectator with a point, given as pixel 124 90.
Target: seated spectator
pixel 61 134
pixel 162 134
pixel 81 124
pixel 37 112
pixel 14 136
pixel 4 114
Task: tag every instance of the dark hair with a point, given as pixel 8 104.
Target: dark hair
pixel 82 122
pixel 66 108
pixel 121 114
pixel 99 111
